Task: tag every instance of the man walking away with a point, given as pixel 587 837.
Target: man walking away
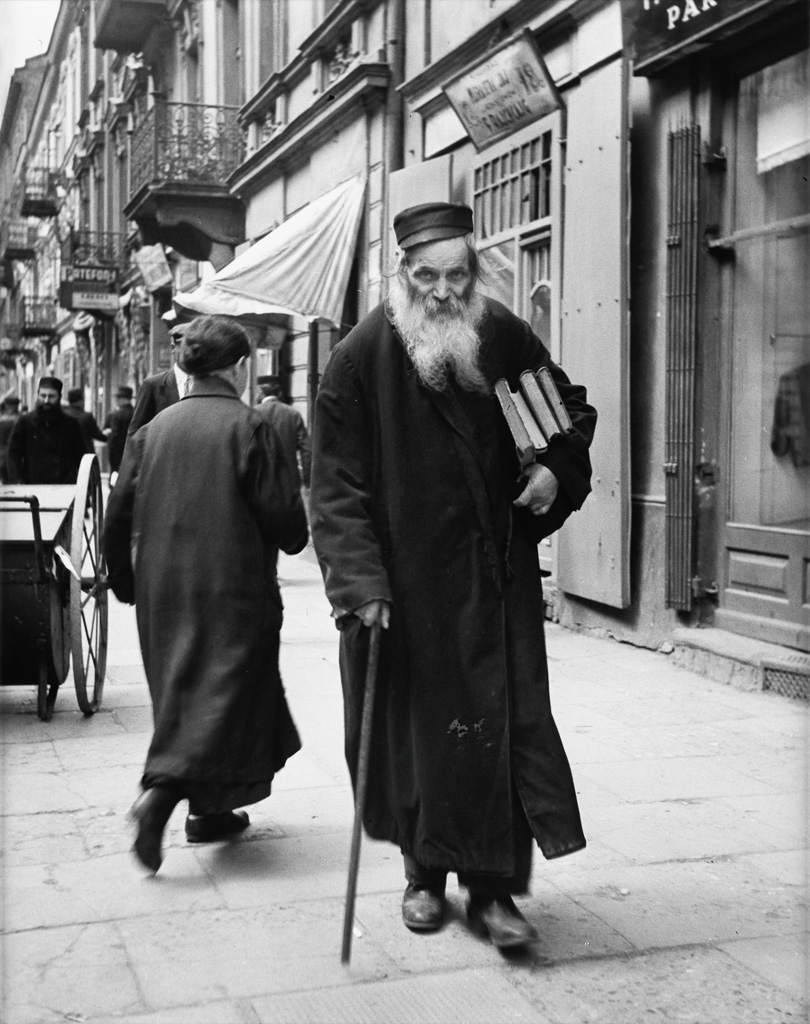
pixel 9 414
pixel 116 427
pixel 208 496
pixel 290 427
pixel 46 446
pixel 90 429
pixel 420 525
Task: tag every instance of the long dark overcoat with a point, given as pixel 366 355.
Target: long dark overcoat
pixel 408 505
pixel 45 450
pixel 203 496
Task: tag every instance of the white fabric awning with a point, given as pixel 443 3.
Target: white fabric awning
pixel 302 267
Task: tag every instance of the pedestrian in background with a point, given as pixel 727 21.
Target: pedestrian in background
pixel 90 429
pixel 203 498
pixel 116 427
pixel 46 446
pixel 290 427
pixel 420 525
pixel 162 389
pixel 9 414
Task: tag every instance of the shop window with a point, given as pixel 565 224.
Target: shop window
pixel 515 196
pixel 770 441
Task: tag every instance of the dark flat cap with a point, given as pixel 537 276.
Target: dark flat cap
pixel 124 392
pixel 431 222
pixel 271 379
pixel 52 383
pixel 75 395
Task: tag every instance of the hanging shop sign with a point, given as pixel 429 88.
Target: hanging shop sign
pixel 658 31
pixel 89 286
pixel 154 267
pixel 505 91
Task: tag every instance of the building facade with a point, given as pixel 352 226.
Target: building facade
pixel 638 175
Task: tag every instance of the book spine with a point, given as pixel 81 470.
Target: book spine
pixel 546 382
pixel 537 402
pixel 520 435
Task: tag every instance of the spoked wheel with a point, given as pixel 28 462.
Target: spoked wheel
pixel 88 593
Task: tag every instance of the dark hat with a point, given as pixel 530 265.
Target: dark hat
pixel 75 395
pixel 431 222
pixel 11 400
pixel 52 383
pixel 268 379
pixel 124 392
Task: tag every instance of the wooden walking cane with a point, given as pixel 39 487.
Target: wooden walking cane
pixel 360 788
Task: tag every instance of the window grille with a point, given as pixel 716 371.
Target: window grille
pixel 682 258
pixel 514 189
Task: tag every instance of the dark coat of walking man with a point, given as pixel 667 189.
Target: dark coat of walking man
pixel 420 523
pixel 162 389
pixel 203 499
pixel 289 424
pixel 46 446
pixel 117 426
pixel 9 414
pixel 90 429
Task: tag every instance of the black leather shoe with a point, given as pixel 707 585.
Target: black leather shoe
pixel 498 919
pixel 208 828
pixel 151 812
pixel 423 909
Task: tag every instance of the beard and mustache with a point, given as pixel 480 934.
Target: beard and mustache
pixel 441 337
pixel 47 413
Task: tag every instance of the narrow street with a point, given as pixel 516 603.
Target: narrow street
pixel 689 904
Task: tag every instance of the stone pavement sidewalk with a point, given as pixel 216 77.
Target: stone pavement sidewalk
pixel 688 905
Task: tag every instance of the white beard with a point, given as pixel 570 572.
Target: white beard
pixel 440 337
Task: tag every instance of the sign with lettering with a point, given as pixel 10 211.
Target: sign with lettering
pixel 154 267
pixel 89 286
pixel 506 90
pixel 653 28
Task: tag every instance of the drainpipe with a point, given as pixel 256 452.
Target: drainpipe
pixel 395 104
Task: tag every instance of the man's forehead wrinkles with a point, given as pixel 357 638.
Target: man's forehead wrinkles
pixel 439 264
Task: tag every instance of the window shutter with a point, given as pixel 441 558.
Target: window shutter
pixel 594 545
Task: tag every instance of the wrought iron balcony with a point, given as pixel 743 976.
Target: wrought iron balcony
pixel 193 143
pixel 18 240
pixel 104 247
pixel 40 198
pixel 38 315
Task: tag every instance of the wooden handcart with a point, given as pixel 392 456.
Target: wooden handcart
pixel 53 594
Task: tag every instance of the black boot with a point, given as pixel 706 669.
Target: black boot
pixel 151 813
pixel 498 919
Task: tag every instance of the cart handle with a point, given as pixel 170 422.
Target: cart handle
pixel 39 549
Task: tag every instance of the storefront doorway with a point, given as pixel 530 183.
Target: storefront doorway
pixel 765 557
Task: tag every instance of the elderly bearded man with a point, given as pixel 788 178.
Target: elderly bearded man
pixel 420 523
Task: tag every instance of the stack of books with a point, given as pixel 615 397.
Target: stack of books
pixel 535 413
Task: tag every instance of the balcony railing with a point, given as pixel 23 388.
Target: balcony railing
pixel 18 240
pixel 105 247
pixel 40 198
pixel 191 143
pixel 38 315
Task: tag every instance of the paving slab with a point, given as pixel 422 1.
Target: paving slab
pixel 462 997
pixel 67 974
pixel 688 904
pixel 691 986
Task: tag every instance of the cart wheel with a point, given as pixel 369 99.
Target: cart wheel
pixel 45 698
pixel 88 595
